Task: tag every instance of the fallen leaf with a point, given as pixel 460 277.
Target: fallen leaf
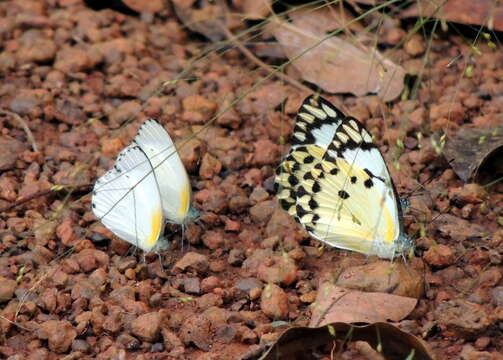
pixel 476 154
pixel 334 64
pixel 337 304
pixel 303 342
pixel 385 277
pixel 477 12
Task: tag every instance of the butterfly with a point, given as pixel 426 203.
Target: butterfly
pixel 147 187
pixel 335 183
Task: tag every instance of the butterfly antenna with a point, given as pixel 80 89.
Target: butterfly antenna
pixel 160 261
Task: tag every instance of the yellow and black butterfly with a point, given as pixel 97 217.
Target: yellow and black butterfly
pixel 334 181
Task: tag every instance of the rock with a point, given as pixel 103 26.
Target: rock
pixel 192 285
pixel 191 153
pixel 197 109
pixel 210 283
pixel 415 45
pixel 491 277
pixel 236 257
pixel 10 149
pixel 266 152
pixel 247 284
pixel 35 46
pixel 196 329
pixel 468 194
pixel 280 270
pixel 151 6
pixel 193 262
pixel 71 60
pixel 7 288
pixel 148 326
pixel 213 239
pixel 462 318
pixel 128 342
pixel 258 194
pixel 125 111
pixel 469 353
pixel 26 101
pixel 262 211
pixel 214 200
pixel 172 343
pixel 59 334
pixel 65 232
pixel 439 256
pixel 210 166
pixel 274 302
pixel 81 346
pixel 497 296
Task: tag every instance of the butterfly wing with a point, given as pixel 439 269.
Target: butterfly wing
pixel 173 180
pixel 127 200
pixel 339 190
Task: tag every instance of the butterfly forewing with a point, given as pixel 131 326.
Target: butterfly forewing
pixel 173 180
pixel 336 184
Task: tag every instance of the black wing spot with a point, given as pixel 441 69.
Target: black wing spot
pixel 285 204
pixel 353 179
pixel 316 187
pixel 300 211
pixel 368 183
pixel 343 194
pixel 308 159
pixel 301 191
pixel 334 171
pixel 292 180
pixel 308 176
pixel 313 204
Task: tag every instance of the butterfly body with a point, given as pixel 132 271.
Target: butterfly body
pixel 336 184
pixel 147 187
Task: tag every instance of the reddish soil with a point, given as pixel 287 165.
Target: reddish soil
pixel 82 81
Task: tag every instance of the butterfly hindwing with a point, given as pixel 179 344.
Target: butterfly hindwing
pixel 127 201
pixel 334 181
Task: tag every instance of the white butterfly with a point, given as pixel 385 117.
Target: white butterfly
pixel 334 181
pixel 147 187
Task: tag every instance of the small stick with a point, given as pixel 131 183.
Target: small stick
pixel 36 195
pixel 262 64
pixel 24 126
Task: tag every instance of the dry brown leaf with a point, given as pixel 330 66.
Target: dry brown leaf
pixel 476 154
pixel 384 277
pixel 255 9
pixel 477 12
pixel 336 304
pixel 334 64
pixel 303 342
